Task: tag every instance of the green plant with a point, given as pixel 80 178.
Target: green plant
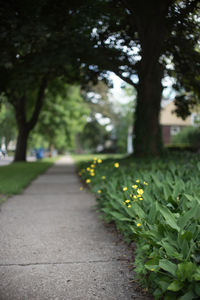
pixel 163 219
pixel 188 136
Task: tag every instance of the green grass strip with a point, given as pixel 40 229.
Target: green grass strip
pixel 16 176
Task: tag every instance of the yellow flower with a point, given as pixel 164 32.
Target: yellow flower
pixel 125 188
pixel 88 169
pixel 99 161
pixel 134 186
pixel 92 174
pixel 127 201
pixel 137 180
pixel 81 188
pixel 140 191
pixel 145 183
pixel 92 166
pixel 129 206
pixel 88 181
pixel 135 197
pixel 138 224
pixel 99 191
pixel 94 158
pixel 103 177
pixel 140 198
pixel 116 165
pixel 152 269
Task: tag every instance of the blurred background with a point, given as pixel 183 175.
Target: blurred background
pixel 78 77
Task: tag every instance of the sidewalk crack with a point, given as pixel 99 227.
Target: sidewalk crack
pixel 63 263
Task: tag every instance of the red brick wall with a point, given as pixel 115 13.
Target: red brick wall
pixel 166 134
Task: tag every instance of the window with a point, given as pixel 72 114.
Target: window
pixel 195 119
pixel 174 130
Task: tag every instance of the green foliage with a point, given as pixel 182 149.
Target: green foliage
pixel 119 117
pixel 62 117
pixel 188 136
pixel 8 128
pixel 16 176
pixel 163 219
pixel 95 132
pixel 92 135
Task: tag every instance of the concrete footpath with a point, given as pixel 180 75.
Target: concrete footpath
pixel 53 245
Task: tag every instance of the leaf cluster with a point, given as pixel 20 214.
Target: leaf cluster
pixel 165 224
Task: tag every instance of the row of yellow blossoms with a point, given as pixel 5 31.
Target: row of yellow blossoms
pixel 135 194
pixel 91 171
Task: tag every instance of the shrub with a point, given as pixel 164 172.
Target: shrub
pixel 189 136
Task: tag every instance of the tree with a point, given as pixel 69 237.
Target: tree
pixel 38 44
pixel 186 64
pixel 147 33
pixel 130 37
pixel 62 117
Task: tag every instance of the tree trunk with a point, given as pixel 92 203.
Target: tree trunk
pixel 21 147
pixel 148 138
pixel 25 126
pixel 152 31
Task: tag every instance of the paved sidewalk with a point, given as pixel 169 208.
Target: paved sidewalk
pixel 53 245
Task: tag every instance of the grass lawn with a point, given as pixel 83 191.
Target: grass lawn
pixel 155 203
pixel 16 176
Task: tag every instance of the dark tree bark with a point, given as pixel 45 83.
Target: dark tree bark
pixel 151 26
pixel 22 140
pixel 24 126
pixel 148 139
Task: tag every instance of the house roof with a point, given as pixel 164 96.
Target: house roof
pixel 167 117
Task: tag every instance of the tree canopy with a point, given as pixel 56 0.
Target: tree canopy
pixel 141 41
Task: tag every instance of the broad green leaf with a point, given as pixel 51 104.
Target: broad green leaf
pixel 120 217
pixel 185 248
pixel 156 180
pixel 163 282
pixel 185 270
pixel 175 286
pixel 152 213
pixel 168 266
pixel 177 189
pixel 169 217
pixel 138 210
pixel 186 218
pixel 167 192
pixel 196 275
pixel 188 296
pixel 189 197
pixel 152 264
pixel 171 251
pixel 157 293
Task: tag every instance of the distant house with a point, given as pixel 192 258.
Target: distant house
pixel 172 125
